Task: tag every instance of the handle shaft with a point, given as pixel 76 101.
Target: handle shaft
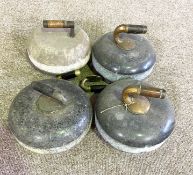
pixel 42 88
pixel 69 75
pixel 48 91
pixel 153 92
pixel 58 24
pixel 136 29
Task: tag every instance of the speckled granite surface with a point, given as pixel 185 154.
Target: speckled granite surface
pixel 170 31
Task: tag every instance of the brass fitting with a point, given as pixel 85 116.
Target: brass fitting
pixel 86 85
pixel 127 28
pixel 134 97
pixel 60 24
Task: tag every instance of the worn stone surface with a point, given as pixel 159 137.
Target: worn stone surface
pixel 126 62
pixel 56 52
pixel 42 122
pixel 131 129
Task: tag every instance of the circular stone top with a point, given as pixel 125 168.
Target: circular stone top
pixel 137 60
pixel 131 129
pixel 55 51
pixel 42 122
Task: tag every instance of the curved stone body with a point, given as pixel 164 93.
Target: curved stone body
pixel 115 63
pixel 45 125
pixel 131 132
pixel 54 51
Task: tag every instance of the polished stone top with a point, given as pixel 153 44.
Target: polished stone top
pixel 137 60
pixel 43 122
pixel 131 129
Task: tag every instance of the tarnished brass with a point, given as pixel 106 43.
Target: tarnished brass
pixel 69 75
pixel 86 85
pixel 77 72
pixel 134 98
pixel 127 28
pixel 59 24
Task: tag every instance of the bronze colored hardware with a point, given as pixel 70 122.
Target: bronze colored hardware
pixel 127 28
pixel 59 24
pixel 134 98
pixel 85 84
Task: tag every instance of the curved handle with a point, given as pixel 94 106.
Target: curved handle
pixel 59 24
pixel 86 85
pixel 134 98
pixel 127 28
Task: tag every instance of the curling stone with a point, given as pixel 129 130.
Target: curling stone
pixel 50 116
pixel 124 54
pixel 134 117
pixel 59 47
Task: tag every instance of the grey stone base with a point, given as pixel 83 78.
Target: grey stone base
pixel 59 69
pixel 58 149
pixel 121 146
pixel 114 76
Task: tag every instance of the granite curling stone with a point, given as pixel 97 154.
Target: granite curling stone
pixel 59 47
pixel 50 116
pixel 134 117
pixel 124 54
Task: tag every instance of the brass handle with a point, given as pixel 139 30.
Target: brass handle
pixel 69 75
pixel 134 98
pixel 127 28
pixel 86 84
pixel 59 24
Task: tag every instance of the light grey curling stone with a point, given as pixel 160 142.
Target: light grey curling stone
pixel 59 47
pixel 134 117
pixel 50 116
pixel 124 54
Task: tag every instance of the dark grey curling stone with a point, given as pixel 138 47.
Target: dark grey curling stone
pixel 124 54
pixel 134 117
pixel 50 116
